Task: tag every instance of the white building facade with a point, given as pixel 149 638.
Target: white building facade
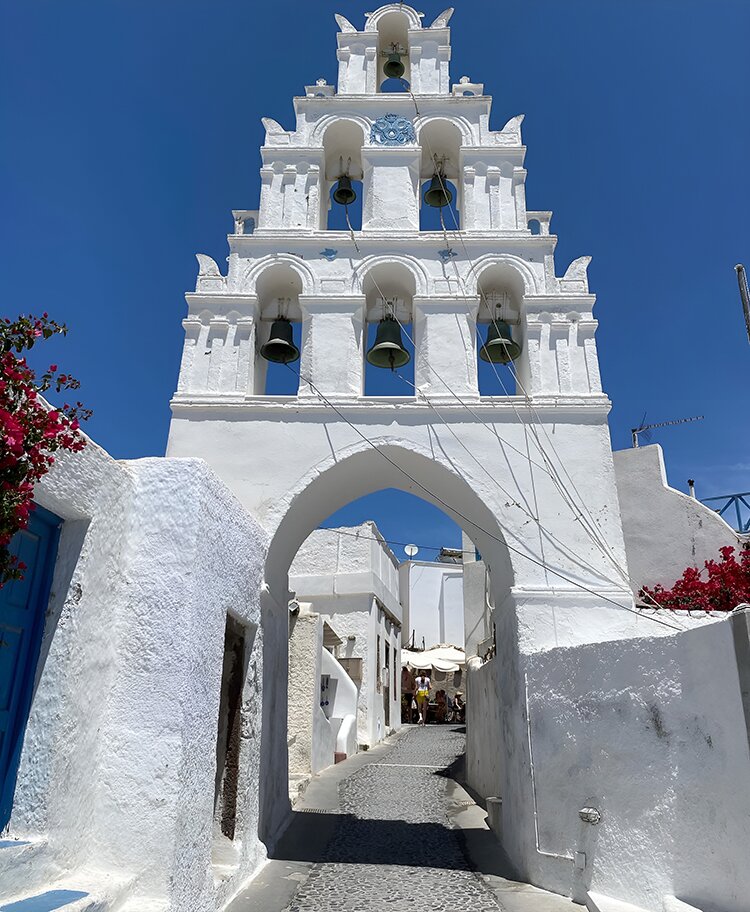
pixel 433 603
pixel 350 577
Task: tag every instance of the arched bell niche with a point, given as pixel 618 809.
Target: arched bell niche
pixel 389 290
pixel 501 291
pixel 342 144
pixel 278 289
pixel 393 45
pixel 439 171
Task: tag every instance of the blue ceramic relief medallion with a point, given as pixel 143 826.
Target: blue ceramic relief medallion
pixel 392 130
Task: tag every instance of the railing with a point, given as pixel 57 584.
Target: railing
pixel 741 504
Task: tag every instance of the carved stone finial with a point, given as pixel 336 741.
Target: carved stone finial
pixel 443 19
pixel 576 276
pixel 206 265
pixel 343 23
pixel 464 80
pixel 392 130
pixel 320 81
pixel 273 127
pixel 577 271
pixel 514 125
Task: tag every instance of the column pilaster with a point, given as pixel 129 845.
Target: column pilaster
pixel 446 345
pixel 332 339
pixel 391 183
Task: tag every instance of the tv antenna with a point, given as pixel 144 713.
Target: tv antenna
pixel 411 550
pixel 645 429
pixel 744 295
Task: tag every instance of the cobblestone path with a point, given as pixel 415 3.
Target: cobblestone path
pixel 394 848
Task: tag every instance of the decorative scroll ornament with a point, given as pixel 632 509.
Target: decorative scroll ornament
pixel 392 130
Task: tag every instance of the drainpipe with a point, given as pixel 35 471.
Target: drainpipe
pixel 539 849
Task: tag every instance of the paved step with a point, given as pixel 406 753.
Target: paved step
pixel 598 902
pixel 90 892
pixel 20 859
pixel 672 904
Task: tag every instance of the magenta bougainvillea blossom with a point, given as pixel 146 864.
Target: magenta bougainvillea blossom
pixel 720 586
pixel 31 430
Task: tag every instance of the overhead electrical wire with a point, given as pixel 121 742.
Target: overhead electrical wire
pixel 548 468
pixel 583 515
pixel 432 496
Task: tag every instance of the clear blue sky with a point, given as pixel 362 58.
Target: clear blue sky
pixel 132 127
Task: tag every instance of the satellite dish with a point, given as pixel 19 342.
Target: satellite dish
pixel 411 550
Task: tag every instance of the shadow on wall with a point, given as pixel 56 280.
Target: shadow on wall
pixel 44 902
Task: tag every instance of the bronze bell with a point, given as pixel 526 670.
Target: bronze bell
pixel 438 193
pixel 500 348
pixel 344 193
pixel 280 347
pixel 388 350
pixel 393 67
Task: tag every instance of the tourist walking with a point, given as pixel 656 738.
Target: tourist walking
pixel 423 684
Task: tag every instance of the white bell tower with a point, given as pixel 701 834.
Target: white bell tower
pixel 526 470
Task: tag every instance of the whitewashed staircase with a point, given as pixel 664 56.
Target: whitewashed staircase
pixel 91 891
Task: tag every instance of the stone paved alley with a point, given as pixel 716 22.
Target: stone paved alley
pixel 391 829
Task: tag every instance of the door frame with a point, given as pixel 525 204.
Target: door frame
pixel 47 526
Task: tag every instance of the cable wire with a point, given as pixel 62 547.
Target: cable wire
pixel 432 496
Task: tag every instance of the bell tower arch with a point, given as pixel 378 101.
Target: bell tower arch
pixel 532 468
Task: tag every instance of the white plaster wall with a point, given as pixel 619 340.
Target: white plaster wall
pixel 305 648
pixel 351 560
pixel 118 766
pixel 665 530
pixel 652 733
pixel 436 603
pixel 485 748
pixel 476 610
pixel 552 611
pixel 344 703
pixel 323 741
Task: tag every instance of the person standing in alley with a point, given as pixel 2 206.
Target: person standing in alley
pixel 422 683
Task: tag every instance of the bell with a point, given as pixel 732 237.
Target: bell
pixel 438 194
pixel 393 68
pixel 280 347
pixel 344 193
pixel 499 347
pixel 388 350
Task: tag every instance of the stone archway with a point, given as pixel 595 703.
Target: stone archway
pixel 338 480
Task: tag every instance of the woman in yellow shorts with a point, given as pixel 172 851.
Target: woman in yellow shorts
pixel 422 683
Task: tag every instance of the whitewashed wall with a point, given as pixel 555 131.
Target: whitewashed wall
pixel 653 733
pixel 118 766
pixel 436 604
pixel 665 530
pixel 485 745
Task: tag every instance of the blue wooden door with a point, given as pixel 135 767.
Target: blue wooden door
pixel 23 604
